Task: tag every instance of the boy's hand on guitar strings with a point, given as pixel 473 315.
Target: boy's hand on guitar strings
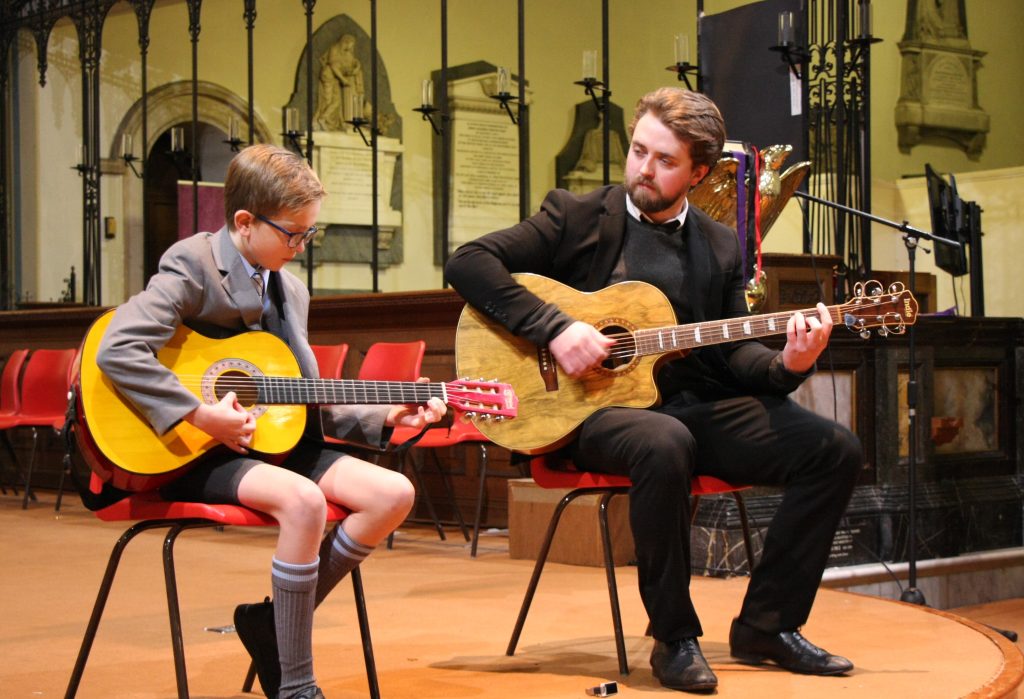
pixel 579 348
pixel 417 416
pixel 226 421
pixel 806 339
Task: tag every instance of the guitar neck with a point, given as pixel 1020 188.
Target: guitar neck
pixel 302 391
pixel 715 332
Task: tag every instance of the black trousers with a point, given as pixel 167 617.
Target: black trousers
pixel 760 440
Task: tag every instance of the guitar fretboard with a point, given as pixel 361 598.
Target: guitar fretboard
pixel 685 337
pixel 300 391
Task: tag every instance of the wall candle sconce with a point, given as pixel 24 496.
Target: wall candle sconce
pixel 234 141
pixel 683 68
pixel 291 128
pixel 427 108
pixel 127 153
pixel 182 158
pixel 590 82
pixel 503 95
pixel 81 159
pixel 177 139
pixel 864 39
pixel 358 121
pixel 792 53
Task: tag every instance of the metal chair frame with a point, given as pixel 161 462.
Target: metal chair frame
pixel 176 526
pixel 608 486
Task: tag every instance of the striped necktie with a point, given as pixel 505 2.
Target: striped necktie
pixel 257 280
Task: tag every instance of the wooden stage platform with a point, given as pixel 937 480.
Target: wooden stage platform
pixel 440 623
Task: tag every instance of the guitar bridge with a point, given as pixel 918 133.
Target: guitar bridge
pixel 548 369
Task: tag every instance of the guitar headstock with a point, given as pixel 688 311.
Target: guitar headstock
pixel 890 309
pixel 488 399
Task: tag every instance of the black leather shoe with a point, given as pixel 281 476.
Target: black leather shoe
pixel 309 693
pixel 680 665
pixel 787 649
pixel 255 626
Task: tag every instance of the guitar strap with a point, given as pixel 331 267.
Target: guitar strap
pixel 108 495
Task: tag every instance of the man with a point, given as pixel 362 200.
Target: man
pixel 223 284
pixel 724 410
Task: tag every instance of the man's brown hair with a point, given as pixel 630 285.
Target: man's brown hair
pixel 691 116
pixel 267 179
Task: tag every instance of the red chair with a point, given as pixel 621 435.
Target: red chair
pixel 459 432
pixel 10 405
pixel 176 517
pixel 550 471
pixel 44 399
pixel 392 361
pixel 403 361
pixel 330 359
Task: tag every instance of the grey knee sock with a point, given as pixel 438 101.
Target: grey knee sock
pixel 294 585
pixel 339 554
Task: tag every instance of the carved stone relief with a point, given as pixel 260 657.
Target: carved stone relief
pixel 939 91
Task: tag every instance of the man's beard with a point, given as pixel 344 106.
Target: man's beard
pixel 649 201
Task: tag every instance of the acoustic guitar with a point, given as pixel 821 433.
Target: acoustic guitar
pixel 119 444
pixel 552 405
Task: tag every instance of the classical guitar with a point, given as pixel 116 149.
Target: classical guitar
pixel 641 320
pixel 121 446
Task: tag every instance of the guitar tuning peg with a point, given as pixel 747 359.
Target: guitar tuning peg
pixel 865 334
pixel 883 331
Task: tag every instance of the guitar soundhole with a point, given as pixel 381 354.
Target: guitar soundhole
pixel 623 352
pixel 233 374
pixel 241 383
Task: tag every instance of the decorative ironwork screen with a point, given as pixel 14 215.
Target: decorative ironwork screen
pixel 838 105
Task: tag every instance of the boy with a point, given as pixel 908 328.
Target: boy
pixel 230 282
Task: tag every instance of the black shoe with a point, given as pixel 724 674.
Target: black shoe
pixel 787 649
pixel 255 626
pixel 309 693
pixel 680 665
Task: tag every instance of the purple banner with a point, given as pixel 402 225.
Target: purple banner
pixel 211 207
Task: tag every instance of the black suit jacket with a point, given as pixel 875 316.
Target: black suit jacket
pixel 578 240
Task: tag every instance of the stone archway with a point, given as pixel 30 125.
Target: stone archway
pixel 167 105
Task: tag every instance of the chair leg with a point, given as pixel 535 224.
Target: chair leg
pixel 65 466
pixel 250 677
pixel 28 474
pixel 422 489
pixel 9 448
pixel 101 599
pixel 538 568
pixel 479 499
pixel 613 589
pixel 364 633
pixel 173 610
pixel 446 482
pixel 745 524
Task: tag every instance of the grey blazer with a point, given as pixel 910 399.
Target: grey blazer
pixel 202 283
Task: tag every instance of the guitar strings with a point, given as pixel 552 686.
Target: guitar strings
pixel 628 343
pixel 407 391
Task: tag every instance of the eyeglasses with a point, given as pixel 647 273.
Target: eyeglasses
pixel 293 238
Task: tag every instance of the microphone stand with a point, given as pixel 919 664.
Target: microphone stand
pixel 911 238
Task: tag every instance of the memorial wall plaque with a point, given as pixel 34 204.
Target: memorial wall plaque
pixel 485 175
pixel 345 166
pixel 484 156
